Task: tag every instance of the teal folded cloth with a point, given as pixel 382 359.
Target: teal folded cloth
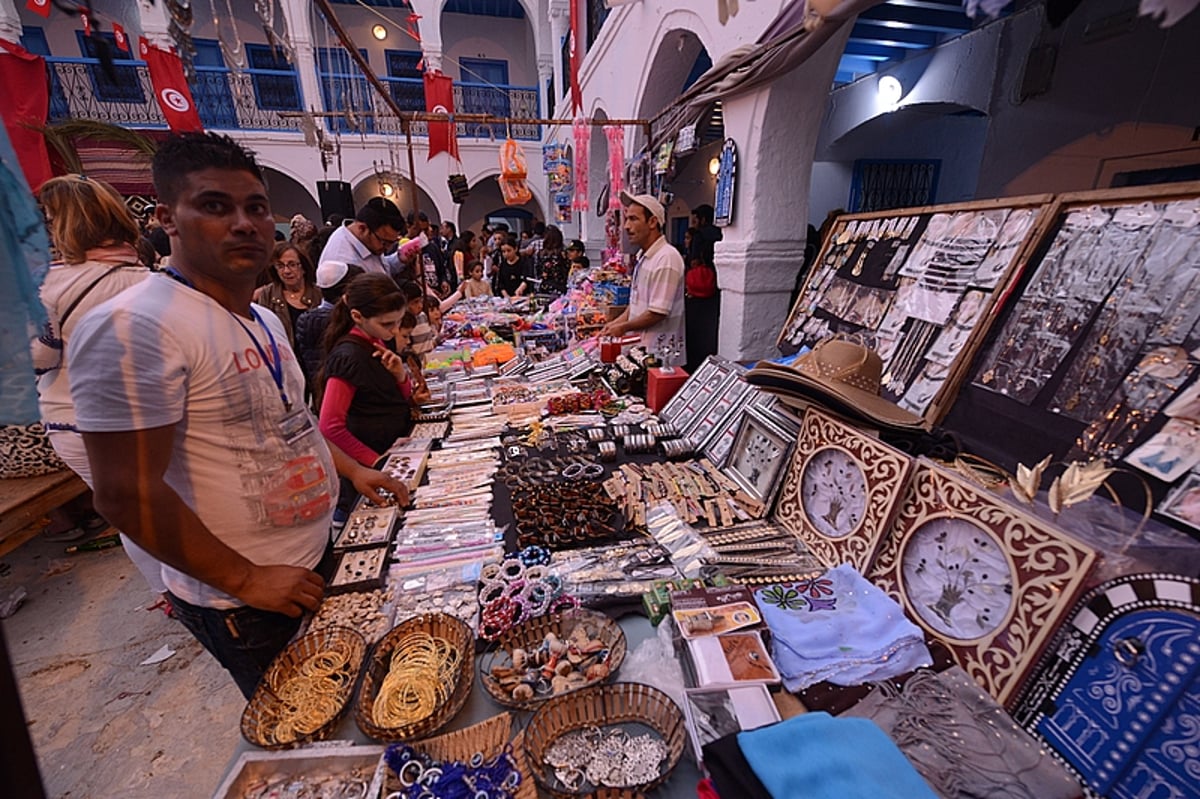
pixel 817 756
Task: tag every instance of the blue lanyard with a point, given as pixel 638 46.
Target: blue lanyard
pixel 274 364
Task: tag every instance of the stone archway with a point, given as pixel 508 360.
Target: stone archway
pixel 289 196
pixel 486 202
pixel 399 190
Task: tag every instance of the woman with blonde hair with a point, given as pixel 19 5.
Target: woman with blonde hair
pixel 95 238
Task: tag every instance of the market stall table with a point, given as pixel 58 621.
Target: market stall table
pixel 681 785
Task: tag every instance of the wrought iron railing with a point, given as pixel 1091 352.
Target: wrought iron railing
pixel 248 100
pixel 519 102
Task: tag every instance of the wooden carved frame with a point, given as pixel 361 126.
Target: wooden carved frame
pixel 1048 569
pixel 885 472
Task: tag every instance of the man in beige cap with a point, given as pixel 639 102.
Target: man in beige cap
pixel 655 309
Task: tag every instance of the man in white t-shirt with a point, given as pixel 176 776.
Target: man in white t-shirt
pixel 656 310
pixel 191 406
pixel 375 230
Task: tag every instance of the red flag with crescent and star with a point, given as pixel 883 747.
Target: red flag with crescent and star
pixel 25 98
pixel 439 99
pixel 39 7
pixel 120 37
pixel 575 56
pixel 170 88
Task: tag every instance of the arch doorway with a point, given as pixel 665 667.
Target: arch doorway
pixel 399 190
pixel 486 204
pixel 289 197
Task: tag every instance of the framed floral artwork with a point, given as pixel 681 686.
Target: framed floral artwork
pixel 758 456
pixel 841 490
pixel 981 575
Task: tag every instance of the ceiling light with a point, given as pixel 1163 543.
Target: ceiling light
pixel 379 32
pixel 714 166
pixel 890 91
pixel 387 189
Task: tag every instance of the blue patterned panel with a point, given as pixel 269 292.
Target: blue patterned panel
pixel 1123 696
pixel 1169 766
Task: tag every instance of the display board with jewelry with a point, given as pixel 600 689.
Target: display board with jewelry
pixel 1100 342
pixel 917 286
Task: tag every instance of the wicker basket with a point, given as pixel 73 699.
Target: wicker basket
pixel 439 625
pixel 259 719
pixel 530 635
pixel 488 737
pixel 604 706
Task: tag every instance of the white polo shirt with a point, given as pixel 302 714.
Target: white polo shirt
pixel 657 286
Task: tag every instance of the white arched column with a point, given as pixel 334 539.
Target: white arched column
pixel 296 15
pixel 776 130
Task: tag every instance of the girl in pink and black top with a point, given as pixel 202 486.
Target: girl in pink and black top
pixel 368 390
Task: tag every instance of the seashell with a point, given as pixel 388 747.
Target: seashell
pixel 597 671
pixel 563 668
pixel 519 658
pixel 523 692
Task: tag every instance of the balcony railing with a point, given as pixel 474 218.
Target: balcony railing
pixel 79 89
pixel 249 100
pixel 519 102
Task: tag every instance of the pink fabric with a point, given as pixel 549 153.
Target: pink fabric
pixel 583 135
pixel 616 165
pixel 334 407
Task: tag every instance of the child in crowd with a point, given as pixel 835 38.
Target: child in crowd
pixel 433 312
pixel 475 285
pixel 423 334
pixel 367 387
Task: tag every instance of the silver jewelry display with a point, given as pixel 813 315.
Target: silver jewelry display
pixel 610 757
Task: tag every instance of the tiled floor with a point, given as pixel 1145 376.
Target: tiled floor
pixel 102 724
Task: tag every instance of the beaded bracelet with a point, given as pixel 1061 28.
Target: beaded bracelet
pixel 534 555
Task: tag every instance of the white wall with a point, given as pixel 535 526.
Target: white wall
pixel 828 190
pixel 511 40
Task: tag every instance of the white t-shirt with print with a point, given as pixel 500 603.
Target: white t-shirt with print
pixel 163 353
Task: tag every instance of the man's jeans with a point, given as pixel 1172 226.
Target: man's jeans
pixel 244 640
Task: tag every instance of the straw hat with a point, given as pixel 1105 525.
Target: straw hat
pixel 842 374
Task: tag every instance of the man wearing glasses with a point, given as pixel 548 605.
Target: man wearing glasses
pixel 374 231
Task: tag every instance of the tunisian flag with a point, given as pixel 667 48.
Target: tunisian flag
pixel 170 88
pixel 25 102
pixel 573 51
pixel 439 99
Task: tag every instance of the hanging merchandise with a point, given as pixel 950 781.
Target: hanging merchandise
pixel 583 133
pixel 556 164
pixel 616 165
pixel 439 99
pixel 513 173
pixel 180 30
pixel 459 190
pixel 279 40
pixel 234 54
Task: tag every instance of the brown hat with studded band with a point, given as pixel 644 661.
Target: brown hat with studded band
pixel 843 374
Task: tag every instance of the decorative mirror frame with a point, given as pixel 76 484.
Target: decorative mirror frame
pixel 1049 571
pixel 708 377
pixel 885 472
pixel 753 420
